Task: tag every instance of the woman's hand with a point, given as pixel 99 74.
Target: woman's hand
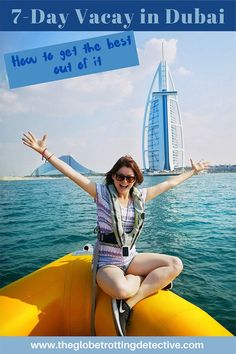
pixel 38 145
pixel 199 166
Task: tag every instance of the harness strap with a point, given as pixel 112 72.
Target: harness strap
pixel 94 291
pixel 123 238
pixel 114 217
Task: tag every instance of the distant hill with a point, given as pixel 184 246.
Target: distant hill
pixel 48 170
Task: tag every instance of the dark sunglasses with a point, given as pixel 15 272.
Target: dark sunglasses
pixel 129 179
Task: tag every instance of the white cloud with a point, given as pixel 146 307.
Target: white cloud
pixel 84 95
pixel 87 95
pixel 181 71
pixel 151 53
pixel 8 100
pixel 208 137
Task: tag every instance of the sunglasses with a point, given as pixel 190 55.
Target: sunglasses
pixel 120 177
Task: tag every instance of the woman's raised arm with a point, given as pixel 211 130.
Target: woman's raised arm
pixel 172 182
pixel 39 145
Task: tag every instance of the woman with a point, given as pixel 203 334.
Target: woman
pixel 122 273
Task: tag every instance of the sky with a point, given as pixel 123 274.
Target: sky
pixel 98 118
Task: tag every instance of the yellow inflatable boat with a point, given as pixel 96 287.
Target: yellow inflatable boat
pixel 56 301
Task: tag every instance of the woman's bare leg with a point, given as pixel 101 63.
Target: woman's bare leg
pixel 158 270
pixel 116 284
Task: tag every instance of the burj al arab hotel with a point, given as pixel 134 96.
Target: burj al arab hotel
pixel 163 142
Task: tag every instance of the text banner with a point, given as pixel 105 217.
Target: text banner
pixel 86 345
pixel 72 59
pixel 148 15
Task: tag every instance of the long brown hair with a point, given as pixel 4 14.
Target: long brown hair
pixel 125 161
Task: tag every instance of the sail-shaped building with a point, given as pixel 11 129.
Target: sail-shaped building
pixel 163 142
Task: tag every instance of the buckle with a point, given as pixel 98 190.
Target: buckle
pixel 125 251
pixel 96 230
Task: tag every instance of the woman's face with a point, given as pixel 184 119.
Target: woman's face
pixel 124 179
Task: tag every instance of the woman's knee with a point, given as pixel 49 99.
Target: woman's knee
pixel 117 290
pixel 176 264
pixel 113 282
pixel 129 288
pixel 121 292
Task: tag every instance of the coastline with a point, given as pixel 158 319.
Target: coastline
pixel 31 178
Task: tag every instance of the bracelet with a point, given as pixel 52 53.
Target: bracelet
pixel 43 153
pixel 50 157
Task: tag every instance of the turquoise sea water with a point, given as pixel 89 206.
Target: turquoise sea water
pixel 42 220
